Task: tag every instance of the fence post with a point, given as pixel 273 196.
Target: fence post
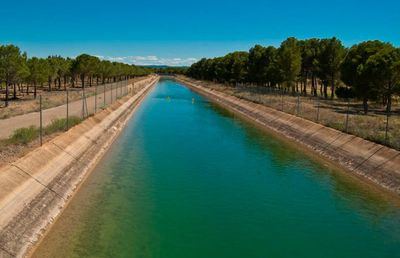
pixel 282 100
pixel 83 107
pixel 346 128
pixel 95 99
pixel 104 95
pixel 41 120
pixel 317 109
pixel 298 104
pixel 117 91
pixel 86 107
pixel 387 122
pixel 111 92
pixel 67 110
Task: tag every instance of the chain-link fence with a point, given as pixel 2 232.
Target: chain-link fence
pixel 32 120
pixel 345 115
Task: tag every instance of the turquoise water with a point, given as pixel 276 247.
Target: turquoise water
pixel 188 179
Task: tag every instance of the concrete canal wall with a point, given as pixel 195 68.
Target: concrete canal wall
pixel 371 161
pixel 35 188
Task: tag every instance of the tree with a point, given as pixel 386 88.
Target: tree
pixel 236 64
pixel 384 70
pixel 289 61
pixel 104 70
pixel 85 66
pixel 60 68
pixel 355 74
pixel 329 60
pixel 12 67
pixel 54 66
pixel 310 49
pixel 257 66
pixel 39 69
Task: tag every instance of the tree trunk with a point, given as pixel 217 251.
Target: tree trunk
pixel 332 87
pixel 83 81
pixel 389 104
pixel 365 105
pixel 7 91
pixel 313 86
pixel 320 89
pixel 49 84
pixel 15 91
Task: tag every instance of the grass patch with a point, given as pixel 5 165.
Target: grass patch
pixel 28 134
pixel 24 135
pixel 60 124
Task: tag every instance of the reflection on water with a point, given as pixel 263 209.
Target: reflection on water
pixel 189 179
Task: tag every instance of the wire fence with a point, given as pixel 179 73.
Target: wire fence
pixel 49 114
pixel 345 115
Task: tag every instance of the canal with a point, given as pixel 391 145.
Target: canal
pixel 189 179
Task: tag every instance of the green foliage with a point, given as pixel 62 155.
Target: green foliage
pixel 329 60
pixel 289 61
pixel 24 135
pixel 13 66
pixel 370 70
pixel 28 134
pixel 384 70
pixel 345 92
pixel 16 68
pixel 168 70
pixel 355 72
pixel 60 124
pixel 261 68
pixel 39 70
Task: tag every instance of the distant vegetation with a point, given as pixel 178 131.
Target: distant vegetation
pixel 20 73
pixel 369 71
pixel 170 69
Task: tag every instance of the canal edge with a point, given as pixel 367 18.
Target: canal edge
pixel 372 163
pixel 41 184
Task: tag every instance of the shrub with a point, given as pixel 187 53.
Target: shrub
pixel 60 124
pixel 345 92
pixel 24 135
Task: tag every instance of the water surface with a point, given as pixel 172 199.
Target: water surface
pixel 188 179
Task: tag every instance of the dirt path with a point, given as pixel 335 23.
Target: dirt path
pixel 9 125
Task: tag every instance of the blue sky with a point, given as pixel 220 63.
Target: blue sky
pixel 178 32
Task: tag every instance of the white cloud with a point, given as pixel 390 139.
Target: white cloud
pixel 150 60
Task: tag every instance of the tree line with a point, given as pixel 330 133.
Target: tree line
pixel 369 71
pixel 55 72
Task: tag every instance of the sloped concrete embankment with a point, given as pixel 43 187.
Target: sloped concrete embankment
pixel 374 162
pixel 34 189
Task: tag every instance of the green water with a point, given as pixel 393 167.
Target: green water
pixel 188 179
